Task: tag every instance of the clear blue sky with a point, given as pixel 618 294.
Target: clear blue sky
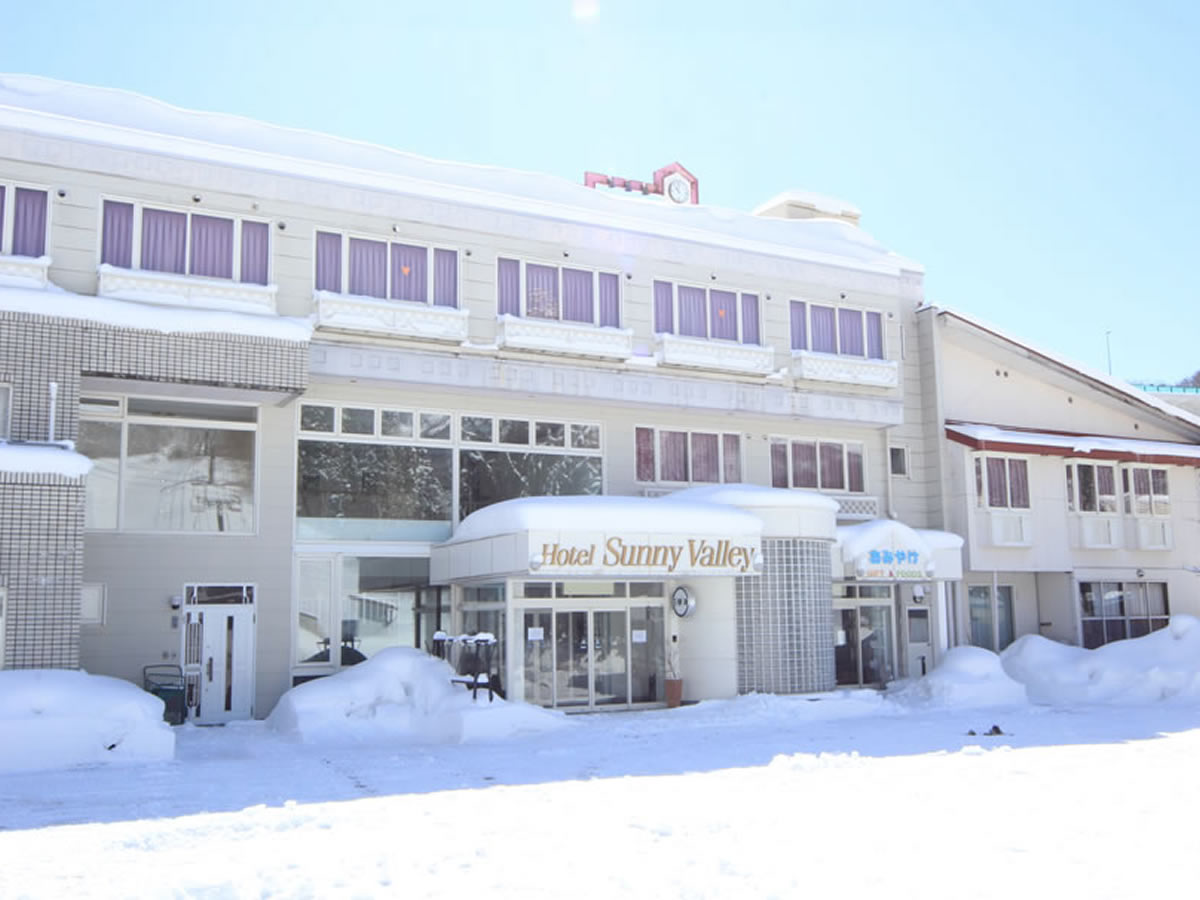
pixel 1040 159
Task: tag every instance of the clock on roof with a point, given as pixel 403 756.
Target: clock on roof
pixel 679 190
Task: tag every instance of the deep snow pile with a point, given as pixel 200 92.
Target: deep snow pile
pixel 967 677
pixel 1163 665
pixel 54 718
pixel 401 693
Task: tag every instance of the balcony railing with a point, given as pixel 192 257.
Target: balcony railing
pixel 715 355
pixel 185 290
pixel 396 318
pixel 25 271
pixel 572 338
pixel 883 373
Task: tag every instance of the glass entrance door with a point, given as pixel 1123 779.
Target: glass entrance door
pixel 571 659
pixel 863 645
pixel 596 658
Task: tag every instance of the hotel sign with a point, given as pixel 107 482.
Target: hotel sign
pixel 629 554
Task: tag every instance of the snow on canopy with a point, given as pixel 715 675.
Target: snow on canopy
pixel 125 119
pixel 55 718
pixel 663 515
pixel 751 496
pixel 401 693
pixel 43 459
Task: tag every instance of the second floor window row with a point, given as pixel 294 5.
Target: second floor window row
pixel 836 329
pixel 698 312
pixel 558 293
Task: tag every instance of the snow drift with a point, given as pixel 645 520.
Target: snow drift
pixel 967 677
pixel 54 718
pixel 404 694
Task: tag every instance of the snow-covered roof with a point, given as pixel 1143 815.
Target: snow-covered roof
pixel 756 496
pixel 865 536
pixel 54 301
pixel 606 513
pixel 820 202
pixel 43 459
pixel 116 118
pixel 989 437
pixel 1117 385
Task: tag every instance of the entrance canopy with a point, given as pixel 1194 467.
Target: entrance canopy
pixel 607 536
pixel 887 550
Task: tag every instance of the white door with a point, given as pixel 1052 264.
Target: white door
pixel 920 642
pixel 218 653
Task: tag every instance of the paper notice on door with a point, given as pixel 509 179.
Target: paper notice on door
pixel 535 634
pixel 639 635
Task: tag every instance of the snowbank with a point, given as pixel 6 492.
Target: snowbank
pixel 53 718
pixel 968 677
pixel 1163 665
pixel 401 693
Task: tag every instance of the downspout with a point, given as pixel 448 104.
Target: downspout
pixel 53 411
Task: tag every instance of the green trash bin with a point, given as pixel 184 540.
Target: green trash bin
pixel 165 681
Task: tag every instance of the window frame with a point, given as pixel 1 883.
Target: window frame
pixel 994 613
pixel 906 469
pixel 982 476
pixel 121 416
pixel 1155 500
pixel 1125 618
pixel 1074 488
pixel 657 431
pixel 345 236
pixel 523 262
pixel 817 442
pixel 8 216
pixel 739 295
pixel 865 313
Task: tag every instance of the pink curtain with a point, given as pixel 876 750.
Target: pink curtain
pixel 832 475
pixel 804 464
pixel 706 463
pixel 854 469
pixel 644 445
pixel 779 464
pixel 664 318
pixel 997 482
pixel 1018 483
pixel 672 463
pixel 116 241
pixel 732 457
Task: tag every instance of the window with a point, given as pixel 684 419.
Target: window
pixel 1091 488
pixel 991 615
pixel 386 270
pixel 22 221
pixel 826 465
pixel 184 243
pixel 171 465
pixel 898 460
pixel 1145 490
pixel 1001 482
pixel 5 411
pixel 705 313
pixel 560 293
pixel 1112 611
pixel 687 456
pixel 836 329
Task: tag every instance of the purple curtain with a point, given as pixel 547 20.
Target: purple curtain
pixel 329 262
pixel 445 278
pixel 578 301
pixel 997 482
pixel 850 332
pixel 368 268
pixel 874 335
pixel 29 223
pixel 854 469
pixel 255 257
pixel 824 331
pixel 664 318
pixel 610 300
pixel 541 291
pixel 732 462
pixel 832 476
pixel 750 319
pixel 672 464
pixel 799 312
pixel 410 277
pixel 164 240
pixel 212 246
pixel 706 462
pixel 1018 483
pixel 508 287
pixel 1 215
pixel 644 446
pixel 804 464
pixel 116 241
pixel 779 464
pixel 723 310
pixel 691 312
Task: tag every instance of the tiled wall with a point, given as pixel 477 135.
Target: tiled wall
pixel 785 620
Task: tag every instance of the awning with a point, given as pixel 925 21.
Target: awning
pixel 888 550
pixel 1091 446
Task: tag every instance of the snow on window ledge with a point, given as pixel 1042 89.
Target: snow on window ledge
pixel 572 338
pixel 719 355
pixel 845 369
pixel 168 289
pixel 397 318
pixel 24 271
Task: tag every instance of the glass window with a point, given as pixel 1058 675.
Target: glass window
pixel 489 476
pixel 477 429
pixel 898 460
pixel 829 465
pixel 687 456
pixel 702 312
pixel 991 616
pixel 386 271
pixel 435 426
pixel 101 443
pixel 358 421
pixel 394 423
pixel 550 434
pixel 5 406
pixel 1003 481
pixel 585 437
pixel 1091 488
pixel 514 431
pixel 316 418
pixel 1112 611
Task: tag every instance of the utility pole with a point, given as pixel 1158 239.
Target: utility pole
pixel 1108 349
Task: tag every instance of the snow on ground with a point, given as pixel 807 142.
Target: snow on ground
pixel 937 789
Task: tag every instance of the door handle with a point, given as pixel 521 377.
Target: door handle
pixel 210 669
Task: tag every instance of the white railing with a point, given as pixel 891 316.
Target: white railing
pixel 25 271
pixel 185 290
pixel 857 507
pixel 397 318
pixel 571 338
pixel 717 355
pixel 810 366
